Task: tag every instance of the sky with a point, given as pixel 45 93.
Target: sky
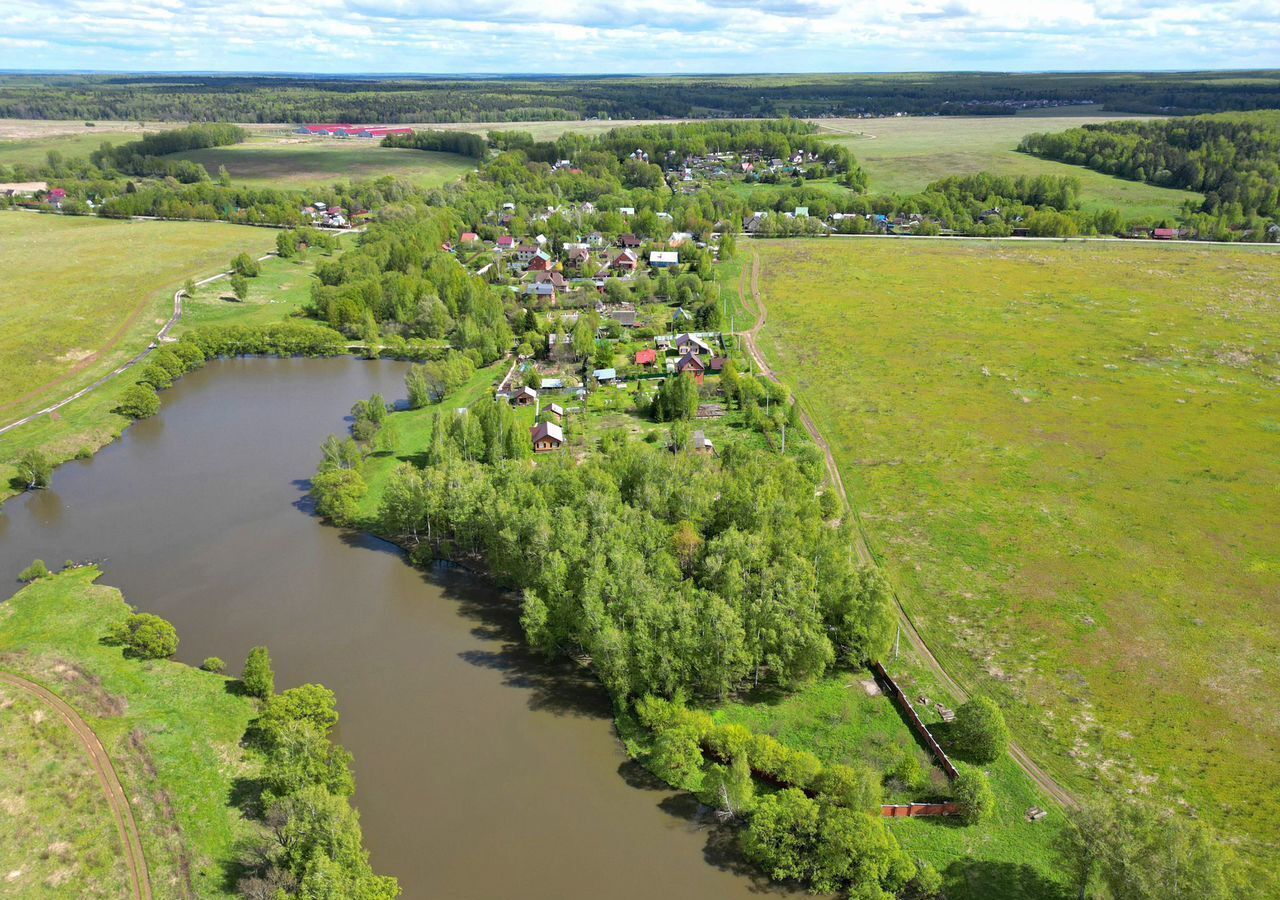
pixel 637 36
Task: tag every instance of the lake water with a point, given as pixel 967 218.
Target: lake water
pixel 482 771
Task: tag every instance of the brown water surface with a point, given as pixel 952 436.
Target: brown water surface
pixel 482 771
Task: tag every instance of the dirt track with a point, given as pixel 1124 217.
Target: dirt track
pixel 754 304
pixel 130 840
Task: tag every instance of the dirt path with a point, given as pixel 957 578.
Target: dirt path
pixel 754 304
pixel 121 811
pixel 161 335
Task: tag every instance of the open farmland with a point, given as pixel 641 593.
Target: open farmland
pixel 102 291
pixel 1065 455
pixel 294 161
pixel 902 155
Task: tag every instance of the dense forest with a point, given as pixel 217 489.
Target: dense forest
pixel 209 98
pixel 1233 159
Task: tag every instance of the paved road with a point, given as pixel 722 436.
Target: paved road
pixel 755 306
pixel 161 336
pixel 121 811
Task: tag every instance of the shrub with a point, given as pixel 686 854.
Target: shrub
pixel 35 571
pixel 214 664
pixel 139 401
pixel 729 741
pixel 258 678
pixel 797 768
pixel 973 792
pixel 314 704
pixel 979 732
pixel 782 831
pixel 677 756
pixel 157 376
pixel 854 787
pixel 146 636
pixel 34 469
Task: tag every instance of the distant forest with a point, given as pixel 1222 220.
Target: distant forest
pixel 208 98
pixel 1233 159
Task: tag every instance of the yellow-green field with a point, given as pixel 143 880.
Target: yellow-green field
pixel 1067 458
pixel 905 154
pixel 293 161
pixel 35 151
pixel 81 295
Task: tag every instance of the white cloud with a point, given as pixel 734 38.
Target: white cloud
pixel 646 36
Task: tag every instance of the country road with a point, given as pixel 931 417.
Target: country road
pixel 121 811
pixel 754 304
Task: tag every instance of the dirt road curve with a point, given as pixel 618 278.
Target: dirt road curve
pixel 754 305
pixel 130 841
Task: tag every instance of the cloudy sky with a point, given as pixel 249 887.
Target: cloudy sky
pixel 637 36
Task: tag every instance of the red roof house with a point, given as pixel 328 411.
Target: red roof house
pixel 646 357
pixel 469 237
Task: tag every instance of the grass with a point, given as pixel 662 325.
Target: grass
pixel 35 151
pixel 296 162
pixel 60 838
pixel 115 283
pixel 173 733
pixel 1066 457
pixel 903 155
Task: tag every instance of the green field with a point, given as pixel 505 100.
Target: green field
pixel 902 155
pixel 173 733
pixel 1066 457
pixel 60 837
pixel 294 162
pixel 35 151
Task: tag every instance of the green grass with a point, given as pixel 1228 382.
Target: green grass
pixel 1066 457
pixel 60 838
pixel 35 151
pixel 173 732
pixel 903 155
pixel 108 297
pixel 300 162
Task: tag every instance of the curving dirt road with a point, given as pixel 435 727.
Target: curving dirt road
pixel 755 306
pixel 130 840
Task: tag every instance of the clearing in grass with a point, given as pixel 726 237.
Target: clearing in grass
pixel 1065 456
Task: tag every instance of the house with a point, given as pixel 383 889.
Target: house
pixel 629 241
pixel 604 374
pixel 595 239
pixel 626 260
pixel 664 259
pixel 57 196
pixel 468 237
pixel 691 365
pixel 627 210
pixel 526 252
pixel 755 224
pixel 701 444
pixel 624 317
pixel 542 290
pixel 802 212
pixel 547 436
pixel 506 242
pixel 716 363
pixel 555 279
pixel 693 345
pixel 541 262
pixel 679 237
pixel 579 258
pixel 555 409
pixel 526 396
pixel 646 357
pixel 1160 234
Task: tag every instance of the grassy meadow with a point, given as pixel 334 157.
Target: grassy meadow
pixel 61 328
pixel 173 733
pixel 902 155
pixel 34 151
pixel 1066 458
pixel 295 162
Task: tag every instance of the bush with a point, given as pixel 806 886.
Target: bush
pixel 783 829
pixel 34 469
pixel 35 571
pixel 853 787
pixel 973 792
pixel 314 704
pixel 677 756
pixel 146 636
pixel 214 664
pixel 258 678
pixel 979 732
pixel 139 401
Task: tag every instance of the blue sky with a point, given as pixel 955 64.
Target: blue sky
pixel 644 36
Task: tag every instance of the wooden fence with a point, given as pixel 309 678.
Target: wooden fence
pixel 898 810
pixel 916 724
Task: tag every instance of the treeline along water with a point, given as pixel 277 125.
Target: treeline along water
pixel 481 770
